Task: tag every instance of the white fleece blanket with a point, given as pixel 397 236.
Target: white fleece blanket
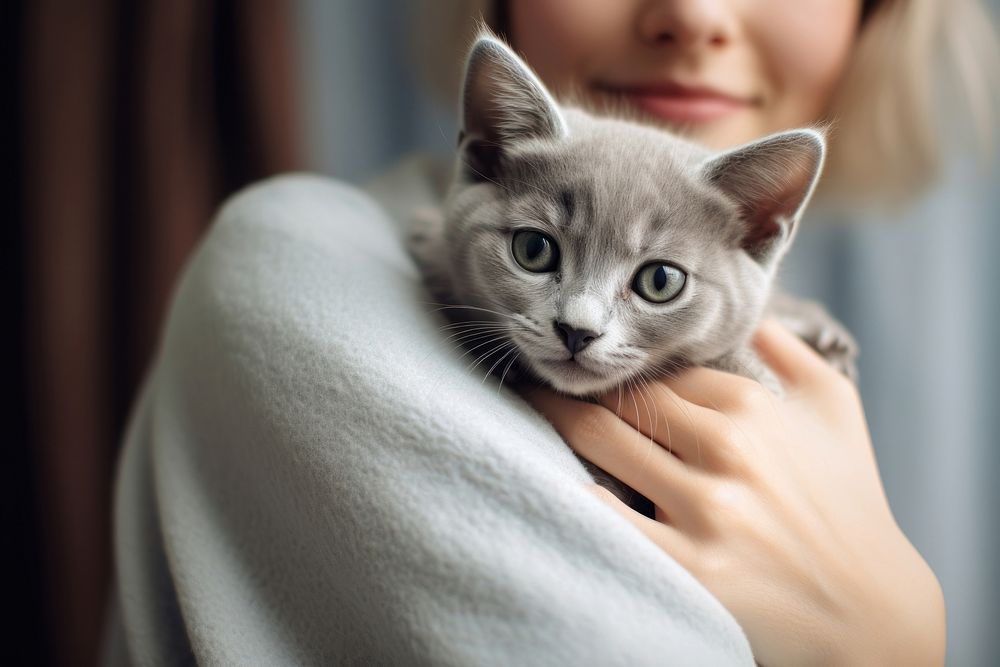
pixel 313 476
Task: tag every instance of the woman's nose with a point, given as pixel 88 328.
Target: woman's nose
pixel 690 23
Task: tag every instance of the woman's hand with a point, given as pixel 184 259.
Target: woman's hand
pixel 775 505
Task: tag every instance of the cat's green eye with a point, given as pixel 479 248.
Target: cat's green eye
pixel 535 251
pixel 659 282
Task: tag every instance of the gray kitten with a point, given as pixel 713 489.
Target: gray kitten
pixel 588 252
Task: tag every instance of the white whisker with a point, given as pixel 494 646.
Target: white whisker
pixel 509 364
pixel 498 362
pixel 493 351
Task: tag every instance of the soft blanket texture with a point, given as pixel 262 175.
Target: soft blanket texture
pixel 312 475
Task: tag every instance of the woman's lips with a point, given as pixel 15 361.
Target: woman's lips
pixel 681 104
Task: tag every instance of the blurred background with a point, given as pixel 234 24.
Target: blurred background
pixel 133 120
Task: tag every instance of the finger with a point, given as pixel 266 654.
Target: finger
pixel 596 434
pixel 665 536
pixel 716 390
pixel 789 356
pixel 657 412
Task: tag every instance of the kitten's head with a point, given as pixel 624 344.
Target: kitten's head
pixel 608 249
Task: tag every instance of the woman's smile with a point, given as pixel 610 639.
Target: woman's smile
pixel 724 73
pixel 679 103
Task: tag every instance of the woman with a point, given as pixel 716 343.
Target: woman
pixel 306 480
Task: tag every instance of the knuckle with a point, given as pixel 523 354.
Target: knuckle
pixel 750 396
pixel 838 385
pixel 845 386
pixel 725 505
pixel 726 497
pixel 730 445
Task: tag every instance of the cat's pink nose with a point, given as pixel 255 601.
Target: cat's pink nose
pixel 575 339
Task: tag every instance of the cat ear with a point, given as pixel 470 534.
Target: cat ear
pixel 502 102
pixel 770 180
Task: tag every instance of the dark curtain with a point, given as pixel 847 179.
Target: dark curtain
pixel 132 121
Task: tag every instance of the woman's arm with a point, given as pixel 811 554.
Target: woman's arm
pixel 313 476
pixel 775 505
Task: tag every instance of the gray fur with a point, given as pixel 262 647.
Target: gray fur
pixel 614 195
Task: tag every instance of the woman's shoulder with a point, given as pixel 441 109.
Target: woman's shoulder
pixel 410 187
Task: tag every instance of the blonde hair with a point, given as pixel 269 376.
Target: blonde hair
pixel 888 135
pixel 886 138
